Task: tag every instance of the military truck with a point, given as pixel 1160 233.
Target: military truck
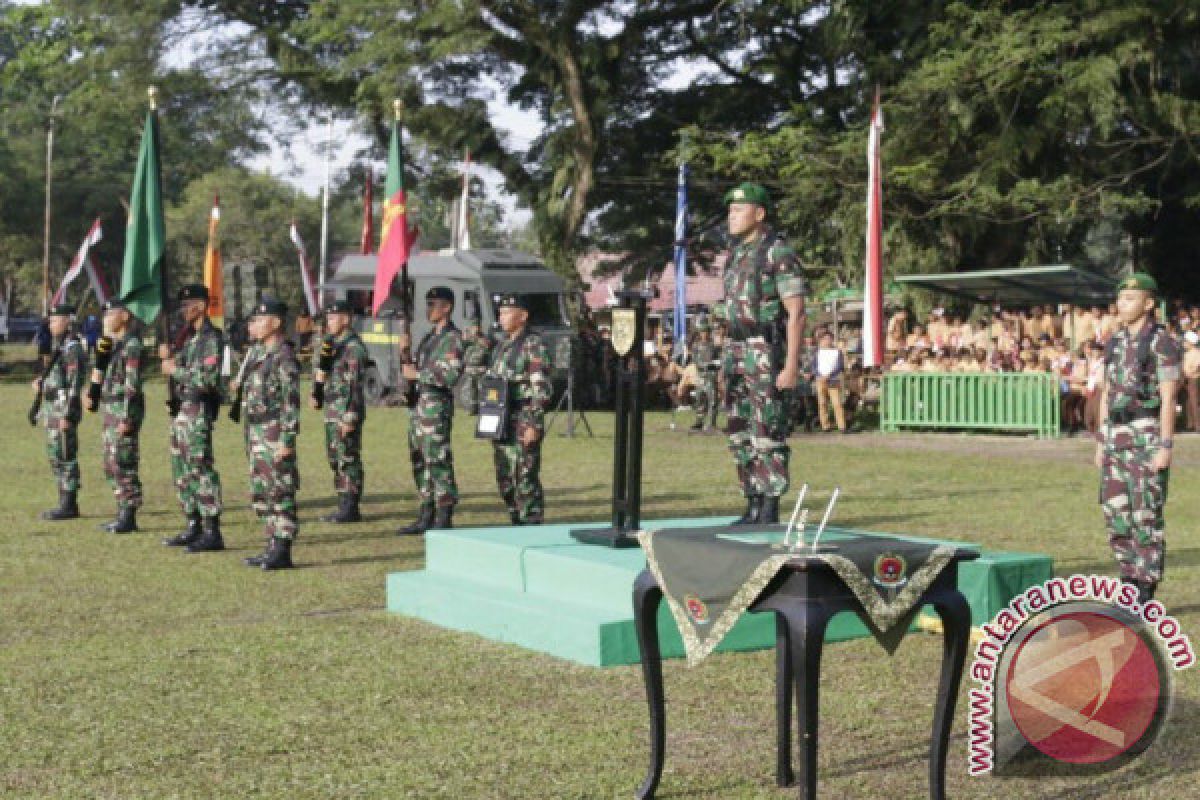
pixel 477 278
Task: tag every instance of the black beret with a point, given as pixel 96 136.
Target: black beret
pixel 440 293
pixel 114 304
pixel 338 307
pixel 513 301
pixel 61 310
pixel 193 291
pixel 270 307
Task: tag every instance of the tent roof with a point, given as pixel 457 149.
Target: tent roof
pixel 1021 286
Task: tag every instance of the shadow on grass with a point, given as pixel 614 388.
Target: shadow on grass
pixel 1178 557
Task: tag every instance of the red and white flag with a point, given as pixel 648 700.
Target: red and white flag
pixel 83 261
pixel 873 291
pixel 310 292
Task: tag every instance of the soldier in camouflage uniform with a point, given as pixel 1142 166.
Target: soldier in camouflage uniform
pixel 338 387
pixel 438 365
pixel 521 360
pixel 271 418
pixel 1133 450
pixel 62 408
pixel 117 391
pixel 764 308
pixel 707 359
pixel 195 374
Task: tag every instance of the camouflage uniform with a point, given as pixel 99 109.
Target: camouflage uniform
pixel 705 355
pixel 122 403
pixel 62 400
pixel 271 421
pixel 1132 492
pixel 198 384
pixel 753 308
pixel 439 363
pixel 345 404
pixel 477 345
pixel 523 363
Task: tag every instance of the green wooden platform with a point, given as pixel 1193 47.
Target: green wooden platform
pixel 538 588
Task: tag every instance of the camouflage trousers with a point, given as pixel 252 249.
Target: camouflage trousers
pixel 429 427
pixel 345 458
pixel 197 483
pixel 273 486
pixel 121 457
pixel 518 477
pixel 1133 494
pixel 62 449
pixel 705 401
pixel 757 419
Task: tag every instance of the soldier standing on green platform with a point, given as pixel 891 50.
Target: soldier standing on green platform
pixel 271 419
pixel 1133 450
pixel 521 361
pixel 338 387
pixel 62 408
pixel 117 392
pixel 195 372
pixel 707 359
pixel 764 309
pixel 438 365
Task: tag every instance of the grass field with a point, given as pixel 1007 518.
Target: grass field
pixel 129 670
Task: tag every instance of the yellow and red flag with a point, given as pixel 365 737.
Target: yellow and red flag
pixel 214 279
pixel 397 237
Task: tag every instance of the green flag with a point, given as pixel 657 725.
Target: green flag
pixel 142 274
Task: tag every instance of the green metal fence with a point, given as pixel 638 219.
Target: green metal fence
pixel 1001 401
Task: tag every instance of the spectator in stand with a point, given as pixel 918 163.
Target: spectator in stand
pixel 897 332
pixel 1191 380
pixel 1095 381
pixel 918 338
pixel 1075 398
pixel 830 365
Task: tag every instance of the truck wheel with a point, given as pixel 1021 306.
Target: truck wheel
pixel 373 388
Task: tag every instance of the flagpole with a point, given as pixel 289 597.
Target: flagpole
pixel 49 184
pixel 325 201
pixel 163 322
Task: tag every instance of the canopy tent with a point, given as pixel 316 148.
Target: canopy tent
pixel 1021 286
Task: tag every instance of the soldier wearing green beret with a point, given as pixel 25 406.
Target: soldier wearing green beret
pixel 1133 449
pixel 763 308
pixel 61 387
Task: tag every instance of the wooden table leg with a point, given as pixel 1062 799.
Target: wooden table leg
pixel 783 704
pixel 952 607
pixel 806 622
pixel 647 597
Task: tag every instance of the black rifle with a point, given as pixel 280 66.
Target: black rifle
pixel 235 408
pixel 104 353
pixel 174 403
pixel 324 364
pixel 37 400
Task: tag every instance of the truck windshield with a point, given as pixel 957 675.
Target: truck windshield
pixel 545 310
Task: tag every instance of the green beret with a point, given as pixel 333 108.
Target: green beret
pixel 1139 280
pixel 748 193
pixel 269 307
pixel 338 307
pixel 61 310
pixel 440 293
pixel 193 291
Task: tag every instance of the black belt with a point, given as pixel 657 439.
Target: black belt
pixel 194 396
pixel 1125 416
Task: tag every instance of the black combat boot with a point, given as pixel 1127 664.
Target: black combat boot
pixel 210 541
pixel 753 508
pixel 444 518
pixel 769 513
pixel 67 507
pixel 350 512
pixel 126 521
pixel 257 561
pixel 334 516
pixel 278 555
pixel 191 533
pixel 424 520
pixel 514 517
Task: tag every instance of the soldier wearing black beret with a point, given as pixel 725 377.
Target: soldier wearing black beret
pixel 61 408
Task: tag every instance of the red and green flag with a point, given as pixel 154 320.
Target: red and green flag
pixel 397 237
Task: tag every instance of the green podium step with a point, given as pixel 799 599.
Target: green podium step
pixel 538 588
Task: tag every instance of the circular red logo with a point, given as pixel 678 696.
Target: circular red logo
pixel 1083 688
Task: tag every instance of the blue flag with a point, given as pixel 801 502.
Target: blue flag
pixel 681 208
